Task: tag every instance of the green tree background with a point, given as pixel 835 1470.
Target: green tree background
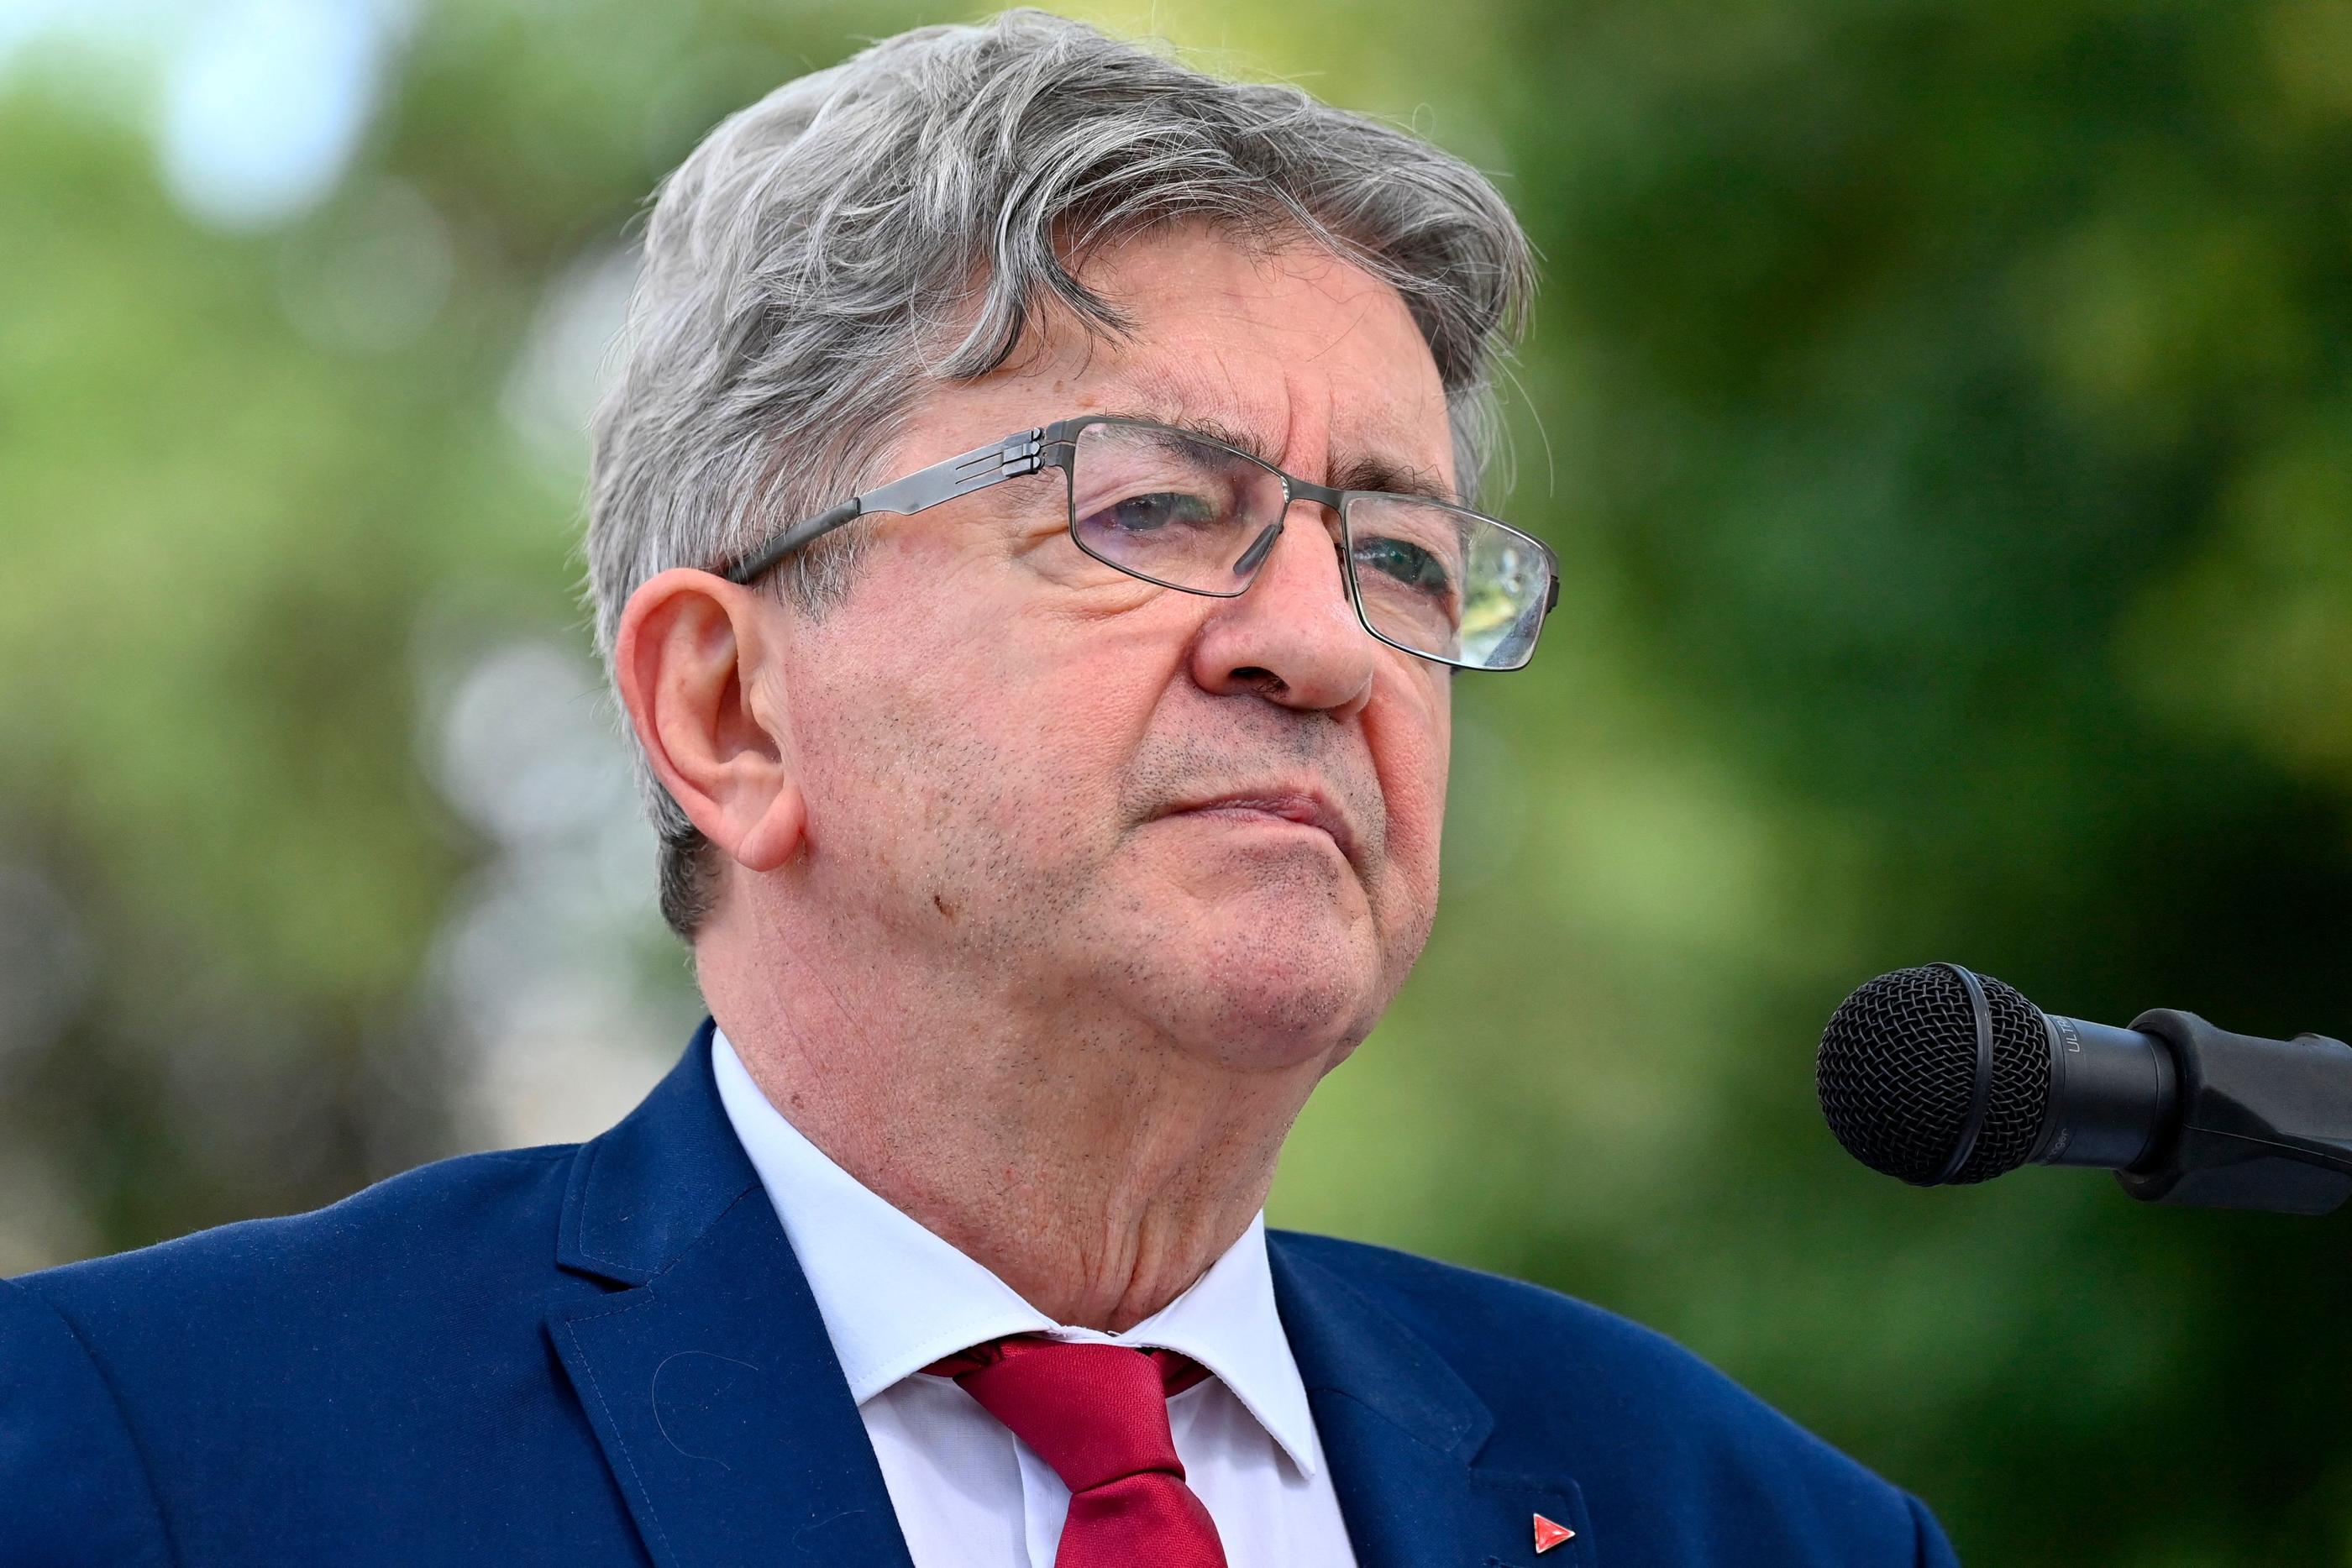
pixel 1941 408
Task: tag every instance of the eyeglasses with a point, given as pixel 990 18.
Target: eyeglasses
pixel 1189 512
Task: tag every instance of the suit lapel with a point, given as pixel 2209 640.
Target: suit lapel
pixel 708 1380
pixel 1402 1434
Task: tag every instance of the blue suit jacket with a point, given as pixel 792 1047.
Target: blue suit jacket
pixel 605 1354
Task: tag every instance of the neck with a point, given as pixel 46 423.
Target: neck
pixel 1095 1167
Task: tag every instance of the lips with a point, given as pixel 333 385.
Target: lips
pixel 1309 808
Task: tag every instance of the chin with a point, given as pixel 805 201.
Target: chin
pixel 1272 993
pixel 1266 1033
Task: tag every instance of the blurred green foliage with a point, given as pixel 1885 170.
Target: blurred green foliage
pixel 1942 411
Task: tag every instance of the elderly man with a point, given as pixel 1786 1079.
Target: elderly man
pixel 1031 543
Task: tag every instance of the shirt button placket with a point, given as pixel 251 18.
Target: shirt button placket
pixel 1045 1504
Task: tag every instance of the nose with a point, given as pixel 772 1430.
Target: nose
pixel 1292 638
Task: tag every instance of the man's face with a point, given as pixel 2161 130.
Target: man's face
pixel 1041 776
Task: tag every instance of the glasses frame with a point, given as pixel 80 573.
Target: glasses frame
pixel 1054 446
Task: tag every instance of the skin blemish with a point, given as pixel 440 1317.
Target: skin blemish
pixel 947 910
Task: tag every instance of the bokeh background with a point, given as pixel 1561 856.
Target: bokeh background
pixel 1943 410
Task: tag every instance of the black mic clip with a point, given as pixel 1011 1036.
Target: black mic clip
pixel 2262 1124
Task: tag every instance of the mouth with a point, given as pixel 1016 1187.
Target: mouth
pixel 1307 808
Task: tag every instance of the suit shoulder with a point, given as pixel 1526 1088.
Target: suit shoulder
pixel 73 1486
pixel 405 1321
pixel 473 1209
pixel 1563 1376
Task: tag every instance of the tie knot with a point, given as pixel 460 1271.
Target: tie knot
pixel 1094 1413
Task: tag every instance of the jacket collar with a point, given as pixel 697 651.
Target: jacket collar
pixel 708 1379
pixel 645 1191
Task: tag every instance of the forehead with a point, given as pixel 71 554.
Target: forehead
pixel 1288 350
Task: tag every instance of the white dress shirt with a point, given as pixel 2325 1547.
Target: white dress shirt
pixel 968 1494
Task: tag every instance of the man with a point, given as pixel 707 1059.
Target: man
pixel 1030 544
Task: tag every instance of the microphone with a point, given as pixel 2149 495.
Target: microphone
pixel 1939 1075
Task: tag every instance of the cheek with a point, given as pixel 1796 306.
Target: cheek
pixel 1410 742
pixel 982 725
pixel 887 724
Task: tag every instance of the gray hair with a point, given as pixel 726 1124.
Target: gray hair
pixel 906 217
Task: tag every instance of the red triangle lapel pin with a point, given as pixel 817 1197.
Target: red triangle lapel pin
pixel 1549 1535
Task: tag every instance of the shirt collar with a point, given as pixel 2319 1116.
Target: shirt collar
pixel 895 1297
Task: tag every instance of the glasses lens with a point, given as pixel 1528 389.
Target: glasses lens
pixel 1169 508
pixel 1447 583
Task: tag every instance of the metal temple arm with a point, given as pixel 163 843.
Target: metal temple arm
pixel 1015 455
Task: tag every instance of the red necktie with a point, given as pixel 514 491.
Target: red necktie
pixel 1098 1415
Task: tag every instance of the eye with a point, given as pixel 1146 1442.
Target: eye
pixel 1407 564
pixel 1153 511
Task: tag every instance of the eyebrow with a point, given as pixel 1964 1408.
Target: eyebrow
pixel 1393 479
pixel 1367 473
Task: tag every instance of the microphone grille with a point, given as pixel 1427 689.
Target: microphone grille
pixel 1896 1076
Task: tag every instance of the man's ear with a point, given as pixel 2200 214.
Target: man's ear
pixel 689 653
